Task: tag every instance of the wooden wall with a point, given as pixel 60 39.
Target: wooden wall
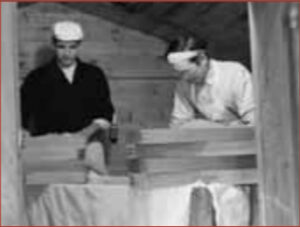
pixel 141 82
pixel 12 200
pixel 278 129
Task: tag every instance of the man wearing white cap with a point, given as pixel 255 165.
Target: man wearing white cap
pixel 66 95
pixel 212 93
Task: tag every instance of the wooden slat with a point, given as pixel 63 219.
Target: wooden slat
pixel 111 180
pixel 61 177
pixel 166 165
pixel 203 148
pixel 12 199
pixel 278 112
pixel 163 136
pixel 54 141
pixel 52 147
pixel 241 176
pixel 50 156
pixel 55 166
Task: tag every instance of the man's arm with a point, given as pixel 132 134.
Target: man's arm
pixel 182 112
pixel 30 99
pixel 104 107
pixel 244 97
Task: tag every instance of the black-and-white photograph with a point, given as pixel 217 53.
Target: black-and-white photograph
pixel 149 113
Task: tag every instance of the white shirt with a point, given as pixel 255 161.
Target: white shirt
pixel 69 72
pixel 225 96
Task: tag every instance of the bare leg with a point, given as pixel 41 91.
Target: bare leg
pixel 95 160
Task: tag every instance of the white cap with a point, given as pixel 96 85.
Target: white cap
pixel 67 31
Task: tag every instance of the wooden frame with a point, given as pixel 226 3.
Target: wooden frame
pixel 278 158
pixel 278 128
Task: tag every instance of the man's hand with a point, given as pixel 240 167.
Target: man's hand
pixel 235 123
pixel 97 124
pixel 102 123
pixel 98 130
pixel 89 130
pixel 200 123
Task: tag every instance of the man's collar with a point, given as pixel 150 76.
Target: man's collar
pixel 54 61
pixel 211 75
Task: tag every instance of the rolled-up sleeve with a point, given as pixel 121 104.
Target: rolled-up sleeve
pixel 244 96
pixel 182 111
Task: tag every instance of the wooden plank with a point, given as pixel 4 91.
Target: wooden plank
pixel 13 211
pixel 51 158
pixel 55 140
pixel 61 177
pixel 53 145
pixel 163 136
pixel 203 148
pixel 111 180
pixel 36 182
pixel 155 180
pixel 42 152
pixel 166 165
pixel 49 154
pixel 55 166
pixel 278 157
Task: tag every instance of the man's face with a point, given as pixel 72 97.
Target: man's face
pixel 66 52
pixel 192 69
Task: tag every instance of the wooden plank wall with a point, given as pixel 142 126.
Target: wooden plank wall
pixel 12 200
pixel 141 82
pixel 278 157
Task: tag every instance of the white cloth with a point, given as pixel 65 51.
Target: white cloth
pixel 78 205
pixel 231 205
pixel 130 205
pixel 227 91
pixel 69 72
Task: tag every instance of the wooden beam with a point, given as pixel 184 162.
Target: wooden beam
pixel 197 149
pixel 12 195
pixel 167 165
pixel 38 179
pixel 54 159
pixel 278 157
pixel 55 166
pixel 50 177
pixel 54 140
pixel 153 180
pixel 163 136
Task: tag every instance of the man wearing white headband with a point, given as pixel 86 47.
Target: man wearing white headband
pixel 66 95
pixel 209 89
pixel 212 93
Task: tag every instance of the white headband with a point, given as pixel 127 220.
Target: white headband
pixel 177 57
